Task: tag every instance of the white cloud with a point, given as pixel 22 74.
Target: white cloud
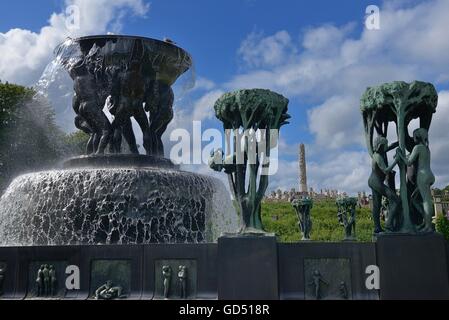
pixel 332 67
pixel 25 53
pixel 346 171
pixel 204 107
pixel 326 39
pixel 257 50
pixel 202 83
pixel 410 43
pixel 285 148
pixel 439 140
pixel 336 122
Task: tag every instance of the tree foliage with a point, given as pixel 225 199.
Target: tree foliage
pixel 250 111
pixel 30 140
pixel 281 218
pixel 442 225
pixel 75 143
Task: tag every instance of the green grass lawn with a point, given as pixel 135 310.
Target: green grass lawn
pixel 325 225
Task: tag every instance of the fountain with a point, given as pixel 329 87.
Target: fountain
pixel 115 225
pixel 106 196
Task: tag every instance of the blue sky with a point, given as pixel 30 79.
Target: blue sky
pixel 317 53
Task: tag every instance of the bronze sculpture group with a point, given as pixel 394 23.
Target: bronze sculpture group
pixel 128 96
pixel 131 77
pixel 46 281
pixel 396 103
pixel 250 111
pixel 399 103
pixel 182 277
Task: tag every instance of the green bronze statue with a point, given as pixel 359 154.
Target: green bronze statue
pixel 254 117
pixel 302 207
pixel 346 216
pixel 381 173
pixel 420 160
pixel 399 103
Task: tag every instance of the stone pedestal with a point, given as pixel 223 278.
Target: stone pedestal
pixel 247 268
pixel 412 267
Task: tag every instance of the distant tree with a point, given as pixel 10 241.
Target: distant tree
pixel 75 143
pixel 29 136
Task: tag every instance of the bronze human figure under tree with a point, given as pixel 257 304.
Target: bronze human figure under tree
pixel 419 158
pixel 400 103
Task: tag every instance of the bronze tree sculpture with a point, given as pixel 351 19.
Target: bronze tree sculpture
pixel 400 103
pixel 302 207
pixel 249 111
pixel 346 215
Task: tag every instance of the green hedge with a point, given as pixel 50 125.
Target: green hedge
pixel 442 225
pixel 280 218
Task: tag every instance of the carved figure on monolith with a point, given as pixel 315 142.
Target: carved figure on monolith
pixel 254 117
pixel 399 103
